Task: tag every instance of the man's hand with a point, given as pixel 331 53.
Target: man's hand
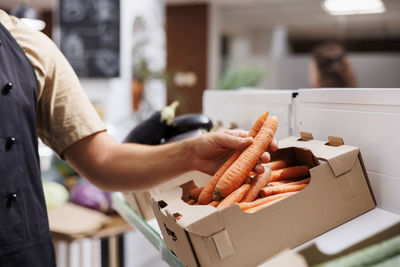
pixel 126 167
pixel 213 149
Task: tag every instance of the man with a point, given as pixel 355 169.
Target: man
pixel 41 95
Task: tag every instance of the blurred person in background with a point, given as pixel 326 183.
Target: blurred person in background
pixel 330 67
pixel 40 95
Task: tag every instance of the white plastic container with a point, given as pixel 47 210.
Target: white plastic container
pixel 243 106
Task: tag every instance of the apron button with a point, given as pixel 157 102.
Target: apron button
pixel 10 142
pixel 12 197
pixel 7 88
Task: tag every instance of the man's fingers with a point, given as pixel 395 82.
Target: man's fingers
pixel 265 157
pixel 232 141
pixel 237 132
pixel 258 169
pixel 274 145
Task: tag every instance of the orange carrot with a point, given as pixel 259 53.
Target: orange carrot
pixel 258 183
pixel 277 164
pixel 258 124
pixel 260 207
pixel 237 172
pixel 178 216
pixel 234 197
pixel 290 173
pixel 290 182
pixel 195 192
pixel 275 183
pixel 191 201
pixel 214 203
pixel 247 180
pixel 279 189
pixel 257 202
pixel 206 195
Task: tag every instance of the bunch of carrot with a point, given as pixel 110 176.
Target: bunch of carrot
pixel 263 190
pixel 234 182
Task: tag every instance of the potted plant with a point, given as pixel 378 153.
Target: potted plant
pixel 140 75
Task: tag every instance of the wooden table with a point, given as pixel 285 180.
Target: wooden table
pixel 106 242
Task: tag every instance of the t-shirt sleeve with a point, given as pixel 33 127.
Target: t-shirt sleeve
pixel 65 114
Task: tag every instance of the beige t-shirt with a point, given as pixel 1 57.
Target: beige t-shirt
pixel 65 114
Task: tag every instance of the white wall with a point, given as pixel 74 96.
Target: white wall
pixel 377 70
pixel 372 70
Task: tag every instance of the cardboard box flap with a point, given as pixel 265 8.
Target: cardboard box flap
pixel 340 158
pixel 215 223
pixel 208 225
pixel 190 216
pixel 223 244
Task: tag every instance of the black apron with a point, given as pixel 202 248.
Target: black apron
pixel 24 231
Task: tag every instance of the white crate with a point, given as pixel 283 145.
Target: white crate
pixel 243 106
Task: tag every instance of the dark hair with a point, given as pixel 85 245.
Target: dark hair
pixel 333 66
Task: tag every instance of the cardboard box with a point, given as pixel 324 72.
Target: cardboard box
pixel 281 103
pixel 366 118
pixel 140 201
pixel 338 192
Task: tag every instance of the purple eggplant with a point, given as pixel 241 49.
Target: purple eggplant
pixel 152 130
pixel 186 123
pixel 87 195
pixel 162 126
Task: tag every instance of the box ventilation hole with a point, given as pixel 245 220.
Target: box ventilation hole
pixel 178 216
pixel 171 233
pixel 162 204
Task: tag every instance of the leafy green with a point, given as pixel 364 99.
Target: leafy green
pixel 241 76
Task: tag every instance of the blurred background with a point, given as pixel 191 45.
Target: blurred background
pixel 134 57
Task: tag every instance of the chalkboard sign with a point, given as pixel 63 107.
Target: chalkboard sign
pixel 90 31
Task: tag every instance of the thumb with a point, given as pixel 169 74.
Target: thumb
pixel 234 142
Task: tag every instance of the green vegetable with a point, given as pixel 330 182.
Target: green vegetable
pixel 368 256
pixel 55 194
pixel 391 262
pixel 241 76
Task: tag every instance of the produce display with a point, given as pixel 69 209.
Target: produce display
pixel 163 126
pixel 235 182
pixel 55 194
pixel 87 195
pixel 385 253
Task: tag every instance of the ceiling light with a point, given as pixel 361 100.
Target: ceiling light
pixel 28 16
pixel 353 7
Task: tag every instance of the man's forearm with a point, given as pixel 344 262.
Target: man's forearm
pixel 122 167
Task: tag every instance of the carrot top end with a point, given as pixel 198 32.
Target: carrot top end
pixel 217 196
